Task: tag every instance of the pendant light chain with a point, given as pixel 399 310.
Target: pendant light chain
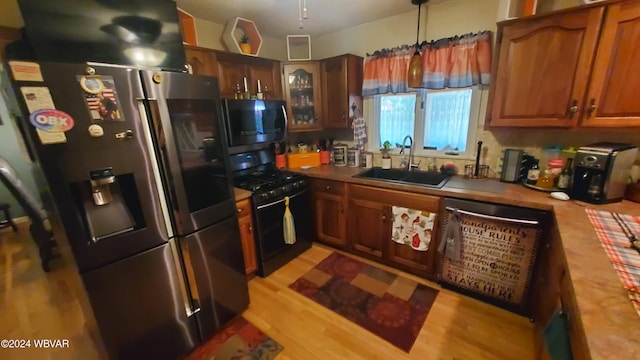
pixel 418 31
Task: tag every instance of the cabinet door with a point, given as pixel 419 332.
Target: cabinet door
pixel 230 73
pixel 201 60
pixel 341 88
pixel 269 76
pixel 368 226
pixel 7 35
pixel 330 212
pixel 543 68
pixel 245 220
pixel 302 93
pixel 612 100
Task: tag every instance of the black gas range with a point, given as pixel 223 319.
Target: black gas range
pixel 271 184
pixel 255 171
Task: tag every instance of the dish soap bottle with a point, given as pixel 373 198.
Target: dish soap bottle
pixel 433 166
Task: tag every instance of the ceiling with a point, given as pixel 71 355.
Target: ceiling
pixel 278 18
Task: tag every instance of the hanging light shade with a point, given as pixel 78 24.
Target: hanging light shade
pixel 414 77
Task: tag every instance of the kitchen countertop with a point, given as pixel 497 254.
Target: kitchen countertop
pixel 241 194
pixel 611 324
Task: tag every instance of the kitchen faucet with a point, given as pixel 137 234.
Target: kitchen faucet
pixel 404 162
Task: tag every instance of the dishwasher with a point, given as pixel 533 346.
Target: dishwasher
pixel 488 251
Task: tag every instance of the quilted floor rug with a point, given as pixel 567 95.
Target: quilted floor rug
pixel 388 305
pixel 238 340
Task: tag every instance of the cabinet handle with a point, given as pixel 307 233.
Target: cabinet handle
pixel 384 218
pixel 344 116
pixel 250 228
pixel 592 107
pixel 328 187
pixel 239 210
pixel 573 108
pixel 342 208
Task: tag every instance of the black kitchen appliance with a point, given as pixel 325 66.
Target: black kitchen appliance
pixel 136 163
pixel 512 164
pixel 250 124
pixel 255 171
pixel 488 251
pixel 602 171
pixel 124 32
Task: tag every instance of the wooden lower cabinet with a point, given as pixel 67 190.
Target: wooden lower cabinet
pixel 245 220
pixel 553 292
pixel 329 201
pixel 370 228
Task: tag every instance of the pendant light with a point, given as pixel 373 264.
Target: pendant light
pixel 414 77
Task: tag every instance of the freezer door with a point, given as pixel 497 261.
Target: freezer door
pixel 215 268
pixel 139 308
pixel 186 116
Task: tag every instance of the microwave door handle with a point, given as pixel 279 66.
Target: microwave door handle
pixel 286 120
pixel 491 217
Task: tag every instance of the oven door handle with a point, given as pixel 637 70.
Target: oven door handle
pixel 281 200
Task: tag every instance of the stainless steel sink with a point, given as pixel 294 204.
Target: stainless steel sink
pixel 413 177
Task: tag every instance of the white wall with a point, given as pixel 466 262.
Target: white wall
pixel 210 36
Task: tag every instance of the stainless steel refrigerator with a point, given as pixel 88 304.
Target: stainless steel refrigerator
pixel 137 167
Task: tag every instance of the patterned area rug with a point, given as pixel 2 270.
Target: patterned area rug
pixel 239 340
pixel 388 305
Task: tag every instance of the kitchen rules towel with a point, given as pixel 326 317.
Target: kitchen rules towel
pixel 359 132
pixel 412 227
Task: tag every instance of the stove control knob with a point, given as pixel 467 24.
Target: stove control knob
pixel 296 185
pixel 301 183
pixel 272 193
pixel 264 196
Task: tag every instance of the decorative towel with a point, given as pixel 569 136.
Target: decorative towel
pixel 359 132
pixel 288 227
pixel 412 227
pixel 625 260
pixel 451 245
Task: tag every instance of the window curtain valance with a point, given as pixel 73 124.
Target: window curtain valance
pixel 455 62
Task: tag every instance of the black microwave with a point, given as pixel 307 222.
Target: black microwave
pixel 254 122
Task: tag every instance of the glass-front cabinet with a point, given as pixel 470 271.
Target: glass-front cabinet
pixel 303 96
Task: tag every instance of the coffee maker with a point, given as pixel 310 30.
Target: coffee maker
pixel 601 172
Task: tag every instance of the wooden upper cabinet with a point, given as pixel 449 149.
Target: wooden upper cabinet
pixel 7 35
pixel 302 89
pixel 612 99
pixel 543 68
pixel 201 60
pixel 341 88
pixel 233 68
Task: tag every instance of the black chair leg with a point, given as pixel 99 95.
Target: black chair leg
pixel 46 244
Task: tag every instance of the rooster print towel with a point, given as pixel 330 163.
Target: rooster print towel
pixel 412 227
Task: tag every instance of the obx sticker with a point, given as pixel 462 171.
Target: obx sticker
pixel 51 120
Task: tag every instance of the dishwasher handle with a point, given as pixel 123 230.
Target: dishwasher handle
pixel 492 217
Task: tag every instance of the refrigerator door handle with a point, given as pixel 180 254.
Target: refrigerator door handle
pixel 189 303
pixel 154 161
pixel 498 218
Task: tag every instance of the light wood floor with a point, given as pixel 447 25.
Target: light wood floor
pixel 38 305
